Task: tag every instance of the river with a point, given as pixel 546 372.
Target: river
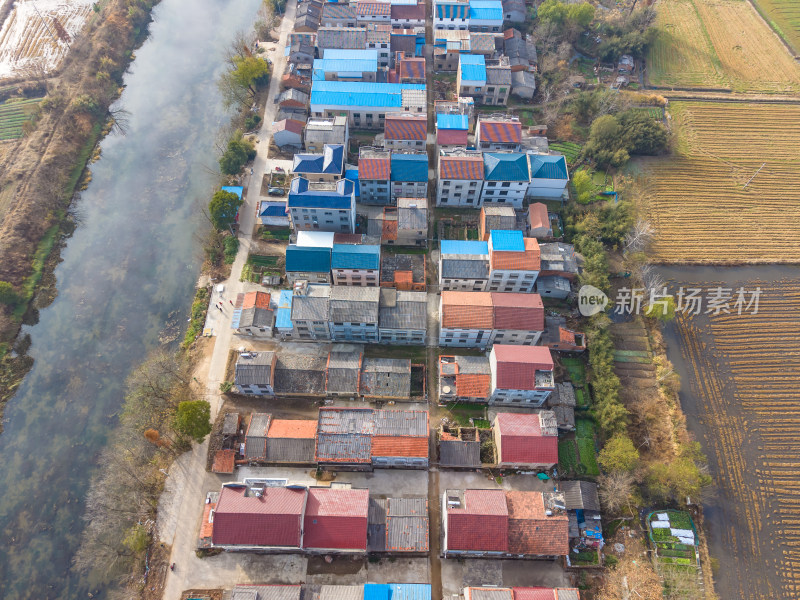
pixel 127 272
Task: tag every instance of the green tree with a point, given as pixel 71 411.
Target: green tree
pixel 223 208
pixel 619 454
pixel 238 152
pixel 553 11
pixel 584 186
pixel 662 309
pixel 642 133
pixel 581 14
pixel 136 539
pixel 7 293
pixel 249 71
pixel 193 419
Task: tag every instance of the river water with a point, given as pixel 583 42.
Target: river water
pixel 128 270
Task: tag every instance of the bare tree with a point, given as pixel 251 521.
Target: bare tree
pixel 615 490
pixel 639 237
pixel 650 278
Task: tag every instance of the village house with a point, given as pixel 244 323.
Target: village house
pixel 514 11
pixel 496 218
pixel 322 206
pixel 402 317
pixel 328 166
pixel 368 11
pixel 584 512
pixel 374 176
pixel 283 315
pixel 300 51
pixel 558 337
pixel 340 38
pixel 321 132
pixel 504 524
pixel 521 375
pixel 292 98
pixel 539 221
pixel 408 16
pixel 463 265
pixel 448 46
pixel 398 526
pixel 405 131
pixel 464 378
pixel 408 40
pixel 291 442
pixel 308 16
pixel 407 69
pixel 253 316
pixel 343 375
pixel 254 374
pixel 523 84
pixel 288 132
pixel 255 440
pixel 300 374
pixel 312 264
pixel 558 260
pixel 379 37
pixel 365 103
pixel 336 14
pixel 347 65
pixel 356 264
pixel 386 378
pixel 405 272
pixel 412 221
pixel 562 402
pixel 496 134
pixel 353 313
pixel 452 131
pixel 506 178
pixel 498 82
pixel 521 593
pixel 518 319
pixel 521 52
pixel 549 176
pixel 360 439
pixel 514 262
pixel 409 175
pixel 526 441
pixel 309 313
pixel 460 179
pixel 459 448
pixel 471 76
pixel 485 15
pixel 451 14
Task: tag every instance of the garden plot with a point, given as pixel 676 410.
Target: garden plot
pixel 36 35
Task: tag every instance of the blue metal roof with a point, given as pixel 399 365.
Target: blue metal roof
pixel 507 240
pixel 486 10
pixel 377 591
pixel 410 591
pixel 300 196
pixel 452 122
pixel 283 316
pixel 410 167
pixel 473 67
pixel 359 93
pixel 505 166
pixel 272 209
pixel 548 167
pixel 356 256
pixel 329 162
pixel 235 189
pixel 462 247
pixel 307 259
pixel 352 175
pixel 346 61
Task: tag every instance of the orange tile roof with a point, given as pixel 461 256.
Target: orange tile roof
pixel 473 385
pixel 257 299
pixel 518 311
pixel 530 260
pixel 389 231
pixel 467 310
pixel 386 445
pixel 292 428
pixel 538 215
pixel 207 527
pixel 530 531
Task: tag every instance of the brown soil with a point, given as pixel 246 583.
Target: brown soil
pixel 210 594
pixel 157 575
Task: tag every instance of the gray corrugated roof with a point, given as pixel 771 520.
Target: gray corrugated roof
pixel 563 395
pixel 266 592
pixel 290 450
pixel 344 447
pixel 346 421
pixel 464 268
pixel 489 594
pixel 580 495
pixel 565 416
pixel 390 263
pixel 498 76
pixel 255 444
pixel 407 534
pixel 387 365
pixel 341 592
pixel 408 312
pixel 407 507
pixel 386 377
pixel 256 317
pixel 376 530
pixel 478 365
pixel 344 369
pixel 454 453
pixel 401 422
pixel 354 304
pixel 300 373
pixel 413 218
pixel 568 594
pixel 255 370
pixel 310 308
pixel 230 425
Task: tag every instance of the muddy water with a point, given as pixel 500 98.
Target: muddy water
pixel 751 451
pixel 127 277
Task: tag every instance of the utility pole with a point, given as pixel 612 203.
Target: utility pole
pixel 754 176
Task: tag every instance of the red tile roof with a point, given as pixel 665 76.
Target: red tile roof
pixel 401 12
pixel 400 446
pixel 288 125
pixel 272 520
pixel 292 428
pixel 500 131
pixel 207 526
pixel 224 461
pixel 531 531
pixel 467 310
pixel 257 299
pixel 374 168
pixel 534 593
pixel 518 311
pixel 473 385
pixel 517 365
pixel 336 519
pixel 460 167
pixel 389 230
pixel 530 260
pixel 538 215
pixel 451 137
pixel 522 442
pixel 411 127
pixel 373 8
pixel 481 524
pixel 412 68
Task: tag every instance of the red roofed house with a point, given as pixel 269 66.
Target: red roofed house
pixel 522 442
pixel 336 520
pixel 538 525
pixel 467 319
pixel 520 374
pixel 540 593
pixel 256 317
pixel 498 133
pixel 273 518
pixel 374 174
pixel 514 262
pixel 460 179
pixel 539 221
pixel 518 318
pixel 408 16
pixel 404 130
pixel 288 132
pixel 475 523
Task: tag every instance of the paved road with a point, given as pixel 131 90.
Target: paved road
pixel 188 481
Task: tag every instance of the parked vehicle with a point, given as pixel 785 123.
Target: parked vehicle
pixel 273 191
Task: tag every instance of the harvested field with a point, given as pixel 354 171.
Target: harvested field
pixel 720 43
pixel 740 377
pixel 784 17
pixel 697 200
pixel 36 36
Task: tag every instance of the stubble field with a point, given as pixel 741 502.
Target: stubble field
pixel 719 44
pixel 784 16
pixel 697 200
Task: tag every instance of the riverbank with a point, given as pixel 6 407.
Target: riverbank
pixel 46 169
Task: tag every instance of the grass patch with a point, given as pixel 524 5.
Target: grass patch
pixel 462 413
pixel 567 457
pixel 415 353
pixel 277 234
pixel 584 428
pixel 570 150
pixel 588 457
pixel 403 250
pixel 259 260
pixel 231 249
pixel 576 371
pixel 37 269
pixel 197 318
pixel 14 114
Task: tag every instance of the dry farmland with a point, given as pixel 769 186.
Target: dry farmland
pixel 742 373
pixel 697 200
pixel 720 43
pixel 784 15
